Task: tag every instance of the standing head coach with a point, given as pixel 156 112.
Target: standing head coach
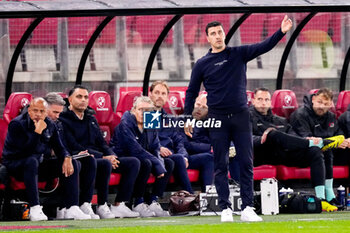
pixel 223 72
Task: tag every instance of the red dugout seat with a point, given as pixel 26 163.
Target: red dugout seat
pixel 125 102
pixel 250 96
pixel 264 171
pixel 288 173
pixel 16 102
pixel 284 103
pixel 100 101
pixel 3 132
pixel 343 102
pixel 175 104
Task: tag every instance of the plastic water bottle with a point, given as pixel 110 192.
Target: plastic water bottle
pixel 348 202
pixel 341 195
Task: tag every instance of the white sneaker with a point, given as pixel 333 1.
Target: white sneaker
pixel 76 213
pixel 249 215
pixel 143 210
pixel 226 215
pixel 104 212
pixel 122 211
pixel 36 213
pixel 60 213
pixel 157 209
pixel 87 209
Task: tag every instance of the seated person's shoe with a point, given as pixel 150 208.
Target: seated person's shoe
pixel 144 210
pixel 37 214
pixel 157 209
pixel 76 213
pixel 60 213
pixel 249 215
pixel 332 142
pixel 122 211
pixel 328 207
pixel 226 215
pixel 104 212
pixel 87 209
pixel 336 203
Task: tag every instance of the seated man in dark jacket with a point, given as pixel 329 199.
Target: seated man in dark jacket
pixel 30 139
pixel 198 146
pixel 82 132
pixel 131 139
pixel 171 140
pixel 341 157
pixel 70 207
pixel 315 120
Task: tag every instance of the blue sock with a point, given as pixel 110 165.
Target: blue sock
pixel 320 144
pixel 320 191
pixel 329 189
pixel 138 200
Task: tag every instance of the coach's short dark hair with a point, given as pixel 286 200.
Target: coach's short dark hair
pixel 212 24
pixel 261 89
pixel 77 87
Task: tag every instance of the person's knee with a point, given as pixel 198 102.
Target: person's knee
pixel 178 159
pixel 104 165
pixel 316 154
pixel 146 164
pixel 32 164
pixel 131 163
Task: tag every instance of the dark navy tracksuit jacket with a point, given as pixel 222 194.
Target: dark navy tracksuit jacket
pixel 25 150
pixel 224 77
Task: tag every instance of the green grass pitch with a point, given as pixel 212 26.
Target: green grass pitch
pixel 290 223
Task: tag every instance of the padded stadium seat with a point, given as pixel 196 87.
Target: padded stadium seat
pixel 264 171
pixel 343 102
pixel 175 104
pixel 115 179
pixel 19 185
pixel 125 102
pixel 284 102
pixel 64 95
pixel 287 173
pixel 313 91
pixel 100 101
pixel 16 102
pixel 250 96
pixel 3 132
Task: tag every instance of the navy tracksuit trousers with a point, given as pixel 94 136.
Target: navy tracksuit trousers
pixel 30 171
pixel 128 168
pixel 237 128
pixel 159 185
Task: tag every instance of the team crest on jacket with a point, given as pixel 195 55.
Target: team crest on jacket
pixel 331 125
